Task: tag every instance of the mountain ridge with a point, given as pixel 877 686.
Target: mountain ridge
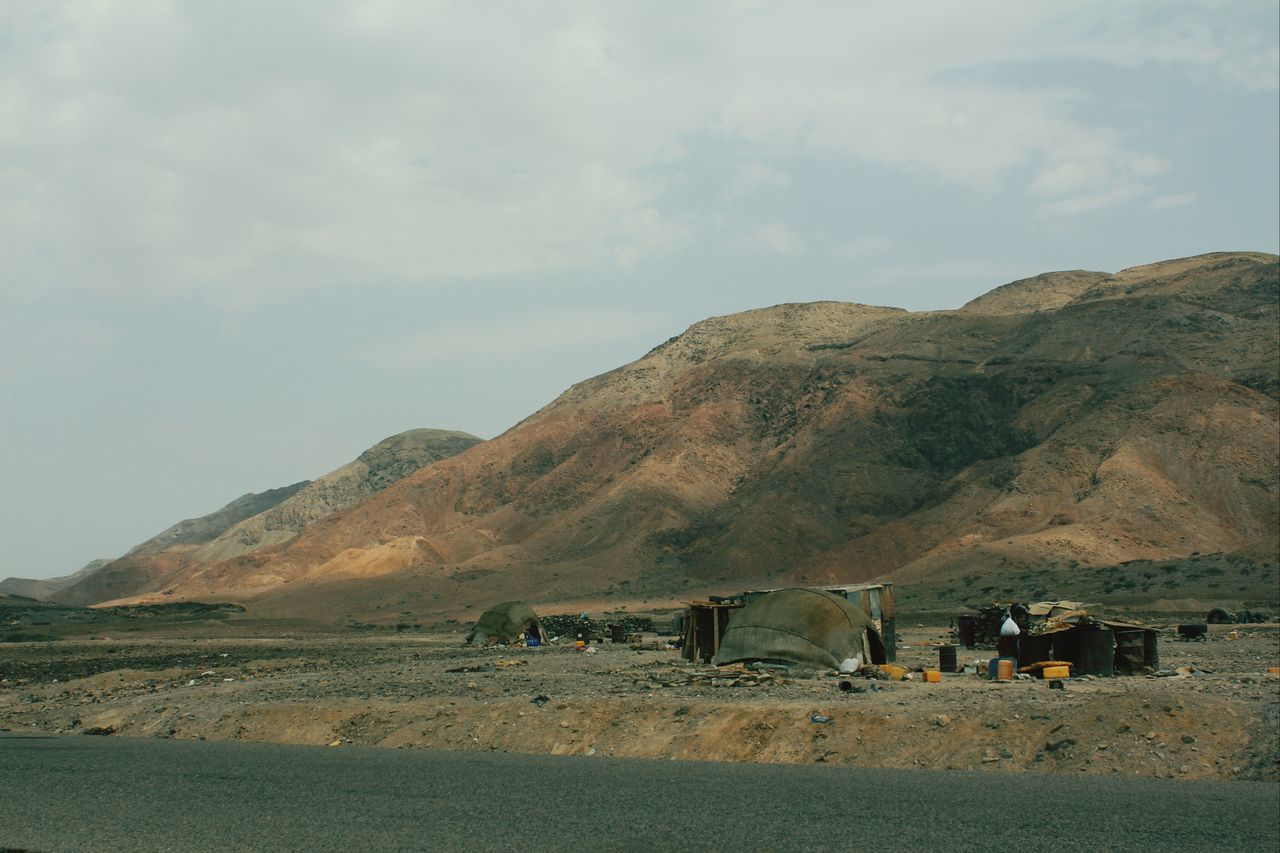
pixel 1110 418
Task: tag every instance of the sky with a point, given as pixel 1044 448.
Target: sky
pixel 241 242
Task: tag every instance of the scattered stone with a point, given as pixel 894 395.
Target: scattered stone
pixel 941 720
pixel 1188 738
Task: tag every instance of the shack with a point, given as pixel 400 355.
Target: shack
pixel 704 622
pixel 875 600
pixel 704 626
pixel 1066 631
pixel 504 623
pixel 802 627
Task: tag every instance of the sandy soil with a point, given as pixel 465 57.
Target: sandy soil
pixel 1222 722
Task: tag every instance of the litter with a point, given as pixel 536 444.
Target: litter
pixel 822 719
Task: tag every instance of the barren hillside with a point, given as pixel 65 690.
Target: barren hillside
pixel 1072 419
pixel 270 518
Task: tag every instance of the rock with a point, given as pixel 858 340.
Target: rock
pixel 941 720
pixel 1057 745
pixel 1188 739
pixel 819 718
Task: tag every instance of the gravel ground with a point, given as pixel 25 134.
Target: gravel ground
pixel 427 691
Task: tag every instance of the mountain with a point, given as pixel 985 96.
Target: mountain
pixel 268 518
pixel 1076 419
pixel 42 589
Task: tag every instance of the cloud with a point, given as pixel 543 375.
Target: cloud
pixel 241 151
pixel 1077 205
pixel 753 176
pixel 513 338
pixel 1165 202
pixel 775 237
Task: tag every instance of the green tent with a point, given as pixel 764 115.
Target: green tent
pixel 808 627
pixel 504 623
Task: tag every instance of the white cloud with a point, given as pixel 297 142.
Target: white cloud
pixel 514 338
pixel 1077 205
pixel 774 237
pixel 239 149
pixel 1165 202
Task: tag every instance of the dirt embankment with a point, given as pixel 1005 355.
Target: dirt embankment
pixel 428 693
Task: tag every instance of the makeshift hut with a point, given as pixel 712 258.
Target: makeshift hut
pixel 704 625
pixel 504 623
pixel 875 599
pixel 808 627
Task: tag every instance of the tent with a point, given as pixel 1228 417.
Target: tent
pixel 801 626
pixel 504 623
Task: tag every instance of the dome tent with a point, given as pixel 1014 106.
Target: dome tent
pixel 504 623
pixel 808 627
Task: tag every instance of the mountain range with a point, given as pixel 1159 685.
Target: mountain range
pixel 1066 422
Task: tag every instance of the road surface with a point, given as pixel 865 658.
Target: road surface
pixel 111 793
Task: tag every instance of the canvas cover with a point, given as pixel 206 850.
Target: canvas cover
pixel 504 623
pixel 801 626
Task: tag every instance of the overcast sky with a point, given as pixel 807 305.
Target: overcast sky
pixel 240 242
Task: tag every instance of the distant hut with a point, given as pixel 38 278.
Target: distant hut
pixel 504 623
pixel 808 627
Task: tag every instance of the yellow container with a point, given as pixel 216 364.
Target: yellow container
pixel 894 671
pixel 932 676
pixel 1004 669
pixel 1057 672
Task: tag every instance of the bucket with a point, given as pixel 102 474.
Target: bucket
pixel 947 658
pixel 1095 650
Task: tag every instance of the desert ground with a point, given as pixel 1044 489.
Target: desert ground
pixel 1216 717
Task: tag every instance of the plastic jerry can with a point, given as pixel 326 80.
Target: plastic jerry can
pixel 1057 672
pixel 932 676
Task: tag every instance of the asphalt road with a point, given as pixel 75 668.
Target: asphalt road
pixel 111 793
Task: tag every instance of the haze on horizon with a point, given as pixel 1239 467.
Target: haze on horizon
pixel 243 243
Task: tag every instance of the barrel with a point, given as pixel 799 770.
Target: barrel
pixel 1095 650
pixel 947 658
pixel 617 633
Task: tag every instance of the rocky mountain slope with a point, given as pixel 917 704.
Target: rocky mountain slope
pixel 268 518
pixel 1074 419
pixel 43 588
